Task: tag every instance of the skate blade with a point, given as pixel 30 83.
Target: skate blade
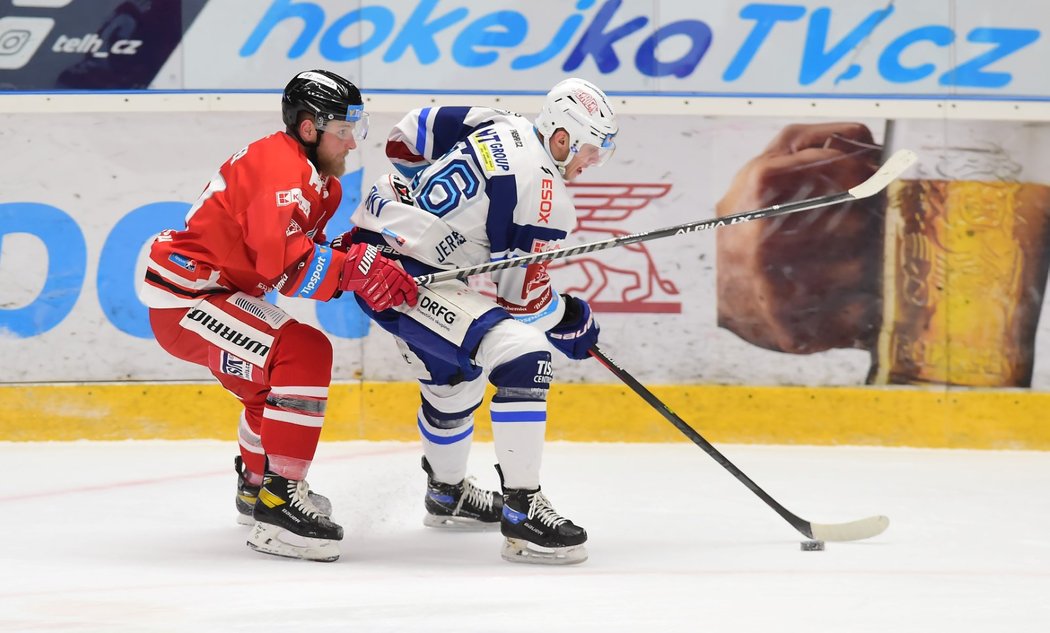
pixel 458 524
pixel 521 551
pixel 270 539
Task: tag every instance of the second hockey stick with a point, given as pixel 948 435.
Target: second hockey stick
pixel 851 531
pixel 890 171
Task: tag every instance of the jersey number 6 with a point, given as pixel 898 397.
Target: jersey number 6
pixel 444 190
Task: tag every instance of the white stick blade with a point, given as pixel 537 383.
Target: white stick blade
pixel 852 531
pixel 891 170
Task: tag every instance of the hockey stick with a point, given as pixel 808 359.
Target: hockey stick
pixel 890 171
pixel 852 531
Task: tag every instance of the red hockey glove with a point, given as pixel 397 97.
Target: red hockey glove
pixel 381 282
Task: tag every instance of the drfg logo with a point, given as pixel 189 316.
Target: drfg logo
pixel 20 38
pixel 438 311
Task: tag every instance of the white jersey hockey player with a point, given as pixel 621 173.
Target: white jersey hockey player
pixel 479 185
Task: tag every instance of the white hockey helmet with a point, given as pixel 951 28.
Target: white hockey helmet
pixel 583 111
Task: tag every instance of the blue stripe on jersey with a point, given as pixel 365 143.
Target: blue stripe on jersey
pixel 506 236
pixel 318 266
pixel 517 416
pixel 449 128
pixel 502 192
pixel 525 236
pixel 421 132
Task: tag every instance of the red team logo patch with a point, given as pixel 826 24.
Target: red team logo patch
pixel 536 274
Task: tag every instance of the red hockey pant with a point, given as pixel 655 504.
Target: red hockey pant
pixel 284 397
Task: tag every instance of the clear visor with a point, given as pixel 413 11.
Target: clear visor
pixel 594 155
pixel 355 125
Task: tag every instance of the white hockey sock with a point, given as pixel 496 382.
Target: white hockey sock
pixel 289 467
pixel 518 428
pixel 447 448
pixel 251 445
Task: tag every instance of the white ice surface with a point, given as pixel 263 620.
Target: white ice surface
pixel 140 537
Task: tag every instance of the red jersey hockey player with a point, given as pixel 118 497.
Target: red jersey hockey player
pixel 257 227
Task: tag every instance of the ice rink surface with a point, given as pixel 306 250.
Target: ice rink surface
pixel 140 537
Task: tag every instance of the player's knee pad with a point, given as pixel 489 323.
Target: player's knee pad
pixel 447 420
pixel 302 355
pixel 519 361
pixel 451 402
pixel 525 377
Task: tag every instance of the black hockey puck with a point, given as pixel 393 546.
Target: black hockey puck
pixel 812 546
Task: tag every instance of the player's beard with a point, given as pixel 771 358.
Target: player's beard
pixel 331 164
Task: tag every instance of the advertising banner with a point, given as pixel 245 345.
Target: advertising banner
pixel 841 48
pixel 940 281
pixel 89 44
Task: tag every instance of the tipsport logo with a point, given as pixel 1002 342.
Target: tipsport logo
pixel 20 37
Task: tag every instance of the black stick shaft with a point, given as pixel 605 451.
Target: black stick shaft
pixel 678 229
pixel 890 170
pixel 798 523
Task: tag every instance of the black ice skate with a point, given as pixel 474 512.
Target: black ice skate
pixel 536 533
pixel 246 494
pixel 288 524
pixel 461 506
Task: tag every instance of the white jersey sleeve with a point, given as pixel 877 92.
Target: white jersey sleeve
pixel 424 135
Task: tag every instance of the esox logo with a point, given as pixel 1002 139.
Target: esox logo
pixel 546 200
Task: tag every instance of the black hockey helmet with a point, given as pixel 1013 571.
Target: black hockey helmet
pixel 328 97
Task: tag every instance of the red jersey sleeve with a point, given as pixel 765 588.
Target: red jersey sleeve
pixel 317 276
